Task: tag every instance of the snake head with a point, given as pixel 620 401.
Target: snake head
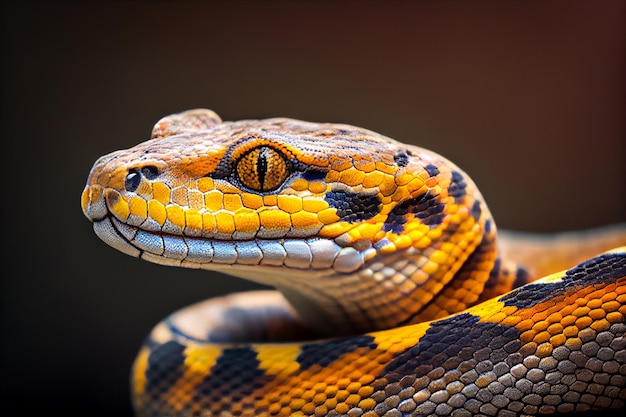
pixel 264 199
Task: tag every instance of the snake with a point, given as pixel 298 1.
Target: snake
pixel 390 291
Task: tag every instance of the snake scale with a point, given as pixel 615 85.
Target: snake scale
pixel 396 294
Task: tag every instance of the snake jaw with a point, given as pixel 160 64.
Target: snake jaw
pixel 106 231
pixel 197 252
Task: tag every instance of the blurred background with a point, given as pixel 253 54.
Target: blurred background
pixel 527 97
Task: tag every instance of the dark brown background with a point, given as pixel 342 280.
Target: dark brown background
pixel 528 97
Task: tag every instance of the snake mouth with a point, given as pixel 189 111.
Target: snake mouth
pixel 195 252
pixel 270 262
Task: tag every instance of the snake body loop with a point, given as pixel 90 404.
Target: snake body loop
pixel 395 295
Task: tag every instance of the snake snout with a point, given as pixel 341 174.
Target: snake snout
pixel 110 230
pixel 93 203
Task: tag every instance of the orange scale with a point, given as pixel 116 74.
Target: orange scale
pixel 600 325
pixel 353 399
pixel 121 208
pixel 232 202
pixel 319 398
pixel 308 408
pixel 387 169
pixel 527 336
pixel 610 306
pixel 342 408
pixel 317 187
pixel 558 340
pixel 597 313
pixel 544 349
pixel 331 403
pixel 364 164
pixel 555 328
pixel 176 215
pixel 367 404
pixel 614 317
pixel 351 177
pixel 583 322
pixel 540 326
pixel 320 410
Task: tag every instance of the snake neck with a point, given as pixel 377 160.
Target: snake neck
pixel 394 290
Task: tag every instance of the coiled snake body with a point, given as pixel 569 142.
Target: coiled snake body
pixel 387 267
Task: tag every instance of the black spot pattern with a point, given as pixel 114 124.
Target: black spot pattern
pixel 325 353
pixel 235 373
pixel 457 188
pixel 494 275
pixel 401 158
pixel 432 170
pixel 165 365
pixel 353 207
pixel 450 341
pixel 601 269
pixel 521 277
pixel 475 211
pixel 426 207
pixel 313 175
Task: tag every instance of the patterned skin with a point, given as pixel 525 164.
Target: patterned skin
pixel 386 262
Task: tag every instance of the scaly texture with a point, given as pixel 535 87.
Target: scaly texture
pixel 386 262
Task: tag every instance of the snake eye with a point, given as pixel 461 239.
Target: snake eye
pixel 262 169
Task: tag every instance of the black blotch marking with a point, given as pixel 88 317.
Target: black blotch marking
pixel 352 207
pixel 426 207
pixel 325 353
pixel 457 188
pixel 401 158
pixel 313 175
pixel 225 167
pixel 432 170
pixel 603 269
pixel 450 341
pixel 223 170
pixel 476 210
pixel 111 199
pixel 165 365
pixel 235 373
pixel 487 226
pixel 521 277
pixel 494 275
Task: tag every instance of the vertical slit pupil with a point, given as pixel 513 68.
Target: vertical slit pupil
pixel 261 167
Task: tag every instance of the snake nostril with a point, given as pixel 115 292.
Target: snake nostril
pixel 132 181
pixel 150 172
